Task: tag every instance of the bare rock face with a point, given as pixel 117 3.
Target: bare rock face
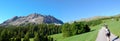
pixel 32 18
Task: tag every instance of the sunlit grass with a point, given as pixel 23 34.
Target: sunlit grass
pixel 90 36
pixel 114 27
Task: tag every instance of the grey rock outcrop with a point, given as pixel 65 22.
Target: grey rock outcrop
pixel 32 18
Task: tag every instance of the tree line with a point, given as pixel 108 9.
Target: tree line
pixel 40 32
pixel 70 29
pixel 74 28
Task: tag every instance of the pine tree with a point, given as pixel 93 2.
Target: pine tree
pixel 36 38
pixel 26 38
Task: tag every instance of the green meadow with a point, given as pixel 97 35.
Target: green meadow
pixel 114 27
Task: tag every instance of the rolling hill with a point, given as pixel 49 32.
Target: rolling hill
pixel 91 36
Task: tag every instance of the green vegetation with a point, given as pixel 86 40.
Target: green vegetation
pixel 91 36
pixel 94 22
pixel 26 38
pixel 114 26
pixel 39 32
pixel 74 28
pixel 77 31
pixel 36 38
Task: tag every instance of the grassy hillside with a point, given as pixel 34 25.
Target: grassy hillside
pixel 114 26
pixel 91 36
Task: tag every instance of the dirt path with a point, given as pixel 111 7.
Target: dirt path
pixel 102 37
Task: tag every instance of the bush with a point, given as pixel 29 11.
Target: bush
pixel 87 28
pixel 66 30
pixel 74 28
pixel 117 19
pixel 18 38
pixel 26 38
pixel 36 38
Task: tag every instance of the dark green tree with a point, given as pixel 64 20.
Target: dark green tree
pixel 73 29
pixel 66 30
pixel 26 38
pixel 87 28
pixel 36 38
pixel 117 19
pixel 4 35
pixel 18 38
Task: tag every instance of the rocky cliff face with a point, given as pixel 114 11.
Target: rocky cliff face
pixel 32 18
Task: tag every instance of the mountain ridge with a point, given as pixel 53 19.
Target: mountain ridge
pixel 34 18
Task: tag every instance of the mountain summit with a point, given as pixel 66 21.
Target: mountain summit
pixel 32 18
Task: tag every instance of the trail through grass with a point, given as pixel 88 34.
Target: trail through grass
pixel 113 25
pixel 90 36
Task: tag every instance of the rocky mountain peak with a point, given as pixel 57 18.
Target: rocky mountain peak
pixel 32 18
pixel 14 18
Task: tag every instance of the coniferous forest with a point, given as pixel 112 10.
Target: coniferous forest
pixel 40 32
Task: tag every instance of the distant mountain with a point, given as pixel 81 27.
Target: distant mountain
pixel 94 18
pixel 32 18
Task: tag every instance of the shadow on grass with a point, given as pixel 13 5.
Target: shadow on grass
pixel 93 30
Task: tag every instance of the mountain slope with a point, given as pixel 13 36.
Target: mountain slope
pixel 32 18
pixel 113 25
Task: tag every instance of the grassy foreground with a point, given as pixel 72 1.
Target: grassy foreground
pixel 114 27
pixel 90 36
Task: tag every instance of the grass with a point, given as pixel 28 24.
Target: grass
pixel 90 36
pixel 113 25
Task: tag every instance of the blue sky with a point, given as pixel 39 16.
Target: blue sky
pixel 65 10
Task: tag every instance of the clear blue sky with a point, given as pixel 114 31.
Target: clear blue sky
pixel 65 10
